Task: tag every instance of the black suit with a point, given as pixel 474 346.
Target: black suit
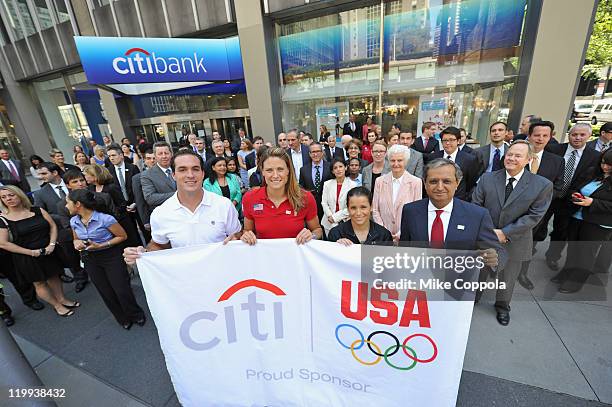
pixel 346 129
pixel 466 149
pixel 7 178
pixel 432 145
pixel 561 205
pixel 469 167
pixel 307 182
pixel 251 160
pixel 128 173
pixel 338 154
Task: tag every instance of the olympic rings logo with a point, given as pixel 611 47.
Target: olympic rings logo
pixel 387 353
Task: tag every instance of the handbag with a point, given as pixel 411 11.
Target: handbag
pixel 8 228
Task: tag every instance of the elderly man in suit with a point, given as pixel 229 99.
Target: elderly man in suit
pixel 299 154
pixel 352 128
pixel 11 172
pixel 313 175
pixel 393 190
pixel 157 183
pixel 332 151
pixel 579 161
pixel 549 166
pixel 467 162
pixel 604 141
pixel 517 200
pixel 490 155
pixel 426 143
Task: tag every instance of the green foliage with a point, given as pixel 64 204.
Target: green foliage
pixel 599 52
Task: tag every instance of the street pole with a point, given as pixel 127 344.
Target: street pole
pixel 17 374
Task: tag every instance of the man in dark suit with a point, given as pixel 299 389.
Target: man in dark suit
pixel 466 161
pixel 578 159
pixel 546 165
pixel 298 153
pixel 331 151
pixel 490 156
pixel 352 128
pixel 158 183
pixel 11 172
pixel 314 174
pixel 604 141
pixel 524 126
pixel 462 142
pixel 517 200
pixel 236 140
pixel 427 143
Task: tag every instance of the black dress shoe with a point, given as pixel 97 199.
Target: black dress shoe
pixel 126 326
pixel 36 306
pixel 80 286
pixel 503 317
pixel 570 287
pixel 552 264
pixel 141 321
pixel 66 279
pixel 8 320
pixel 558 278
pixel 525 281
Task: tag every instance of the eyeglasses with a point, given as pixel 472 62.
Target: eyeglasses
pixel 449 140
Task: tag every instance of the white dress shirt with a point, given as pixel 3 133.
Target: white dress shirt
pixel 502 151
pixel 444 216
pixel 517 178
pixel 61 184
pixel 296 158
pixel 568 154
pixel 214 219
pixel 453 156
pixel 396 183
pixel 11 166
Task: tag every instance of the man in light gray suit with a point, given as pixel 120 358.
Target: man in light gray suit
pixel 517 200
pixel 157 182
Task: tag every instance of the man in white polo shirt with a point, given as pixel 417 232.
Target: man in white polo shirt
pixel 191 216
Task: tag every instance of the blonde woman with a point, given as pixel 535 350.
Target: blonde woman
pixel 33 236
pixel 334 197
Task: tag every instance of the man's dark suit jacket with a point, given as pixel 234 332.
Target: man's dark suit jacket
pixel 7 178
pixel 250 160
pixel 467 149
pixel 307 182
pixel 338 154
pixel 346 129
pixel 128 175
pixel 470 226
pixel 552 168
pixel 144 211
pixel 469 167
pixel 588 160
pixel 47 199
pixel 432 145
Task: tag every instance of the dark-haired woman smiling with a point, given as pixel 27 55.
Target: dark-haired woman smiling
pixel 97 236
pixel 359 229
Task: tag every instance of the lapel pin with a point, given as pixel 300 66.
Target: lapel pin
pixel 460 227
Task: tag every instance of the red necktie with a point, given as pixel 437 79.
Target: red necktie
pixel 437 232
pixel 13 171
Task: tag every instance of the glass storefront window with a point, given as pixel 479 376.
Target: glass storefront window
pixel 61 11
pixel 44 14
pixel 454 62
pixel 19 18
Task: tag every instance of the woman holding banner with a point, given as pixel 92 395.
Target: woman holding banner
pixel 280 208
pixel 359 229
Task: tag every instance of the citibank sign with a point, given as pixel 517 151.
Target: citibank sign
pixel 110 60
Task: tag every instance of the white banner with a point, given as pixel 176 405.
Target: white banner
pixel 277 324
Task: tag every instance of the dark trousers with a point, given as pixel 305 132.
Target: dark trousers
pixel 585 241
pixel 70 258
pixel 145 233
pixel 4 308
pixel 24 289
pixel 108 273
pixel 604 258
pixel 129 224
pixel 558 236
pixel 508 275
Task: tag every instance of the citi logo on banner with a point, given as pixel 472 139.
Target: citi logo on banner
pixel 110 60
pixel 151 64
pixel 232 317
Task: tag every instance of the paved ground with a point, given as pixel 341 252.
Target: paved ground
pixel 553 353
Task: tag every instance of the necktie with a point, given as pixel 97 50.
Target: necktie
pixel 425 141
pixel 535 165
pixel 569 171
pixel 437 232
pixel 168 173
pixel 509 188
pixel 62 194
pixel 317 178
pixel 448 157
pixel 496 160
pixel 605 146
pixel 13 171
pixel 352 126
pixel 122 182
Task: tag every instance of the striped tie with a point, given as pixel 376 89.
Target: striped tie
pixel 569 172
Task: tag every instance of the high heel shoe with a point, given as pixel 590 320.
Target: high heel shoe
pixel 75 304
pixel 65 314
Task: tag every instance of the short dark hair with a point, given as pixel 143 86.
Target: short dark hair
pixel 451 130
pixel 258 138
pixel 116 148
pixel 496 123
pixel 148 151
pixel 36 157
pixel 358 191
pixel 315 143
pixel 184 153
pixel 427 125
pixel 397 126
pixel 607 127
pixel 533 118
pixel 161 144
pixel 542 123
pixel 212 175
pixel 72 174
pixel 309 136
pixel 51 167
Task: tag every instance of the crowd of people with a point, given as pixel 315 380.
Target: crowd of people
pixel 97 216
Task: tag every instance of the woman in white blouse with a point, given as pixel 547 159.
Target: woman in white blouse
pixel 333 197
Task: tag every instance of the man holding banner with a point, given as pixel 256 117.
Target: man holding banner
pixel 190 216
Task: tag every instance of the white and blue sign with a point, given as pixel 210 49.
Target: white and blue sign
pixel 111 60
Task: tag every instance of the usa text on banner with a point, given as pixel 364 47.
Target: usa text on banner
pixel 279 324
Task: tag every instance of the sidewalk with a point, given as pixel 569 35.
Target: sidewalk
pixel 553 353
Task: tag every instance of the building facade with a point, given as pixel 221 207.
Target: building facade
pixel 305 64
